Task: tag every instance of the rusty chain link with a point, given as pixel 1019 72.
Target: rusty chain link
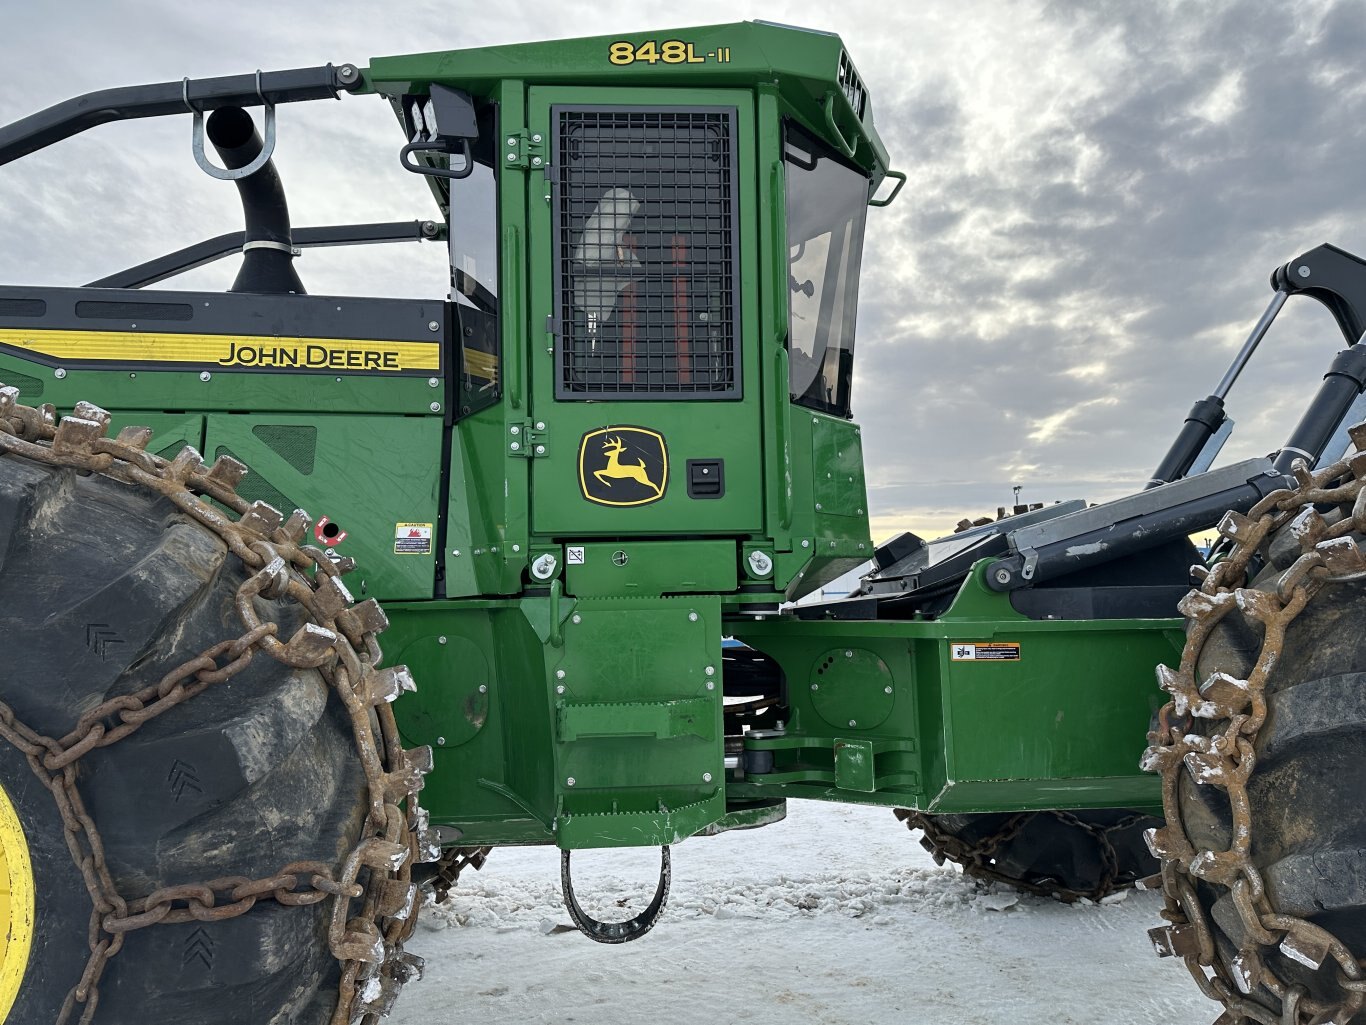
pixel 977 857
pixel 374 900
pixel 1224 756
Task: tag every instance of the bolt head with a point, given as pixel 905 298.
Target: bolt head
pixel 512 140
pixel 806 543
pixel 559 674
pixel 706 777
pixel 536 137
pixel 433 326
pixel 59 373
pixel 536 161
pixel 1303 272
pixel 441 640
pixel 692 617
pixel 1002 576
pixel 848 652
pixel 559 689
pixel 514 430
pixel 204 375
pixel 516 446
pixel 540 425
pixel 569 782
pixel 432 382
pixel 516 548
pixel 456 552
pixel 576 619
pixel 886 690
pixel 711 670
pixel 853 722
pixel 440 741
pixel 512 157
pixel 540 450
pixel 435 407
pixel 815 686
pixel 711 685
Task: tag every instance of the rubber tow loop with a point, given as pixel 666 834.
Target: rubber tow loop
pixel 617 932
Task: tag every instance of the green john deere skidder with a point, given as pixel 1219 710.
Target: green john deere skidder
pixel 589 488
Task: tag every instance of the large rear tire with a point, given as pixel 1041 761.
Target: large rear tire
pixel 106 588
pixel 1066 855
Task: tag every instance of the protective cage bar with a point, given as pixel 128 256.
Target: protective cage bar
pixel 646 253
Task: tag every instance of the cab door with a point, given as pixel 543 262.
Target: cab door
pixel 645 412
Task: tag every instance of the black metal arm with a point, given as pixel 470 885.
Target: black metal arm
pixel 219 246
pixel 80 113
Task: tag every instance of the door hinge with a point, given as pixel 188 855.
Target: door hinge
pixel 527 439
pixel 525 149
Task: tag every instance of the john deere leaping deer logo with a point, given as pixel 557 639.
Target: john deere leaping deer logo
pixel 623 466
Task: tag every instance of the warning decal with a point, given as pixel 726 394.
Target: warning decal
pixel 412 539
pixel 989 651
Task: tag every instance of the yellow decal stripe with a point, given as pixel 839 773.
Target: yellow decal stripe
pixel 231 351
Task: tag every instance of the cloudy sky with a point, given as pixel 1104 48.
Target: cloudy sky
pixel 1097 195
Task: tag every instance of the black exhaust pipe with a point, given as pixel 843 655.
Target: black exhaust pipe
pixel 267 253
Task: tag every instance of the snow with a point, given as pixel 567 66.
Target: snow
pixel 836 915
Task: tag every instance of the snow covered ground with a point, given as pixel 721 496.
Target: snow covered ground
pixel 835 915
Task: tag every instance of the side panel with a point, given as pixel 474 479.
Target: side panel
pixel 374 479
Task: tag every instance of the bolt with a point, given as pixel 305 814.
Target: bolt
pixel 432 382
pixel 818 507
pixel 1002 576
pixel 692 617
pixel 706 777
pixel 853 722
pixel 815 686
pixel 441 640
pixel 433 326
pixel 540 450
pixel 576 619
pixel 806 543
pixel 440 741
pixel 559 674
pixel 512 140
pixel 516 548
pixel 456 552
pixel 512 157
pixel 559 689
pixel 483 688
pixel 543 567
pixel 886 690
pixel 535 161
pixel 540 425
pixel 347 73
pixel 569 782
pixel 515 446
pixel 760 564
pixel 514 430
pixel 204 375
pixel 848 653
pixel 59 373
pixel 779 726
pixel 435 407
pixel 536 137
pixel 711 685
pixel 1304 272
pixel 711 670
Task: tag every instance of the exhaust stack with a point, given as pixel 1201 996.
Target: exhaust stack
pixel 267 253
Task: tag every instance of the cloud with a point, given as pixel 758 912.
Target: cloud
pixel 1097 195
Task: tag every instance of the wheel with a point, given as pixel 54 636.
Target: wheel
pixel 237 801
pixel 1068 855
pixel 1264 857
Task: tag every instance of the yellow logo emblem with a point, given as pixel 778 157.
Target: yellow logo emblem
pixel 623 466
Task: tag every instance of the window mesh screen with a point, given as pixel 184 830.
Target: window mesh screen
pixel 644 212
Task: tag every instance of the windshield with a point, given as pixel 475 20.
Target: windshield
pixel 827 202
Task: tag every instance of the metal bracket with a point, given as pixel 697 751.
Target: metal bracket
pixel 267 244
pixel 525 149
pixel 527 439
pixel 1031 559
pixel 229 174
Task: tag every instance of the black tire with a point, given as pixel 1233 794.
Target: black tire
pixel 1309 826
pixel 1065 855
pixel 103 589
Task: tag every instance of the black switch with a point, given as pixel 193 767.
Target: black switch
pixel 706 478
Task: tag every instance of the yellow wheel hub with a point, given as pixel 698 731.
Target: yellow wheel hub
pixel 16 905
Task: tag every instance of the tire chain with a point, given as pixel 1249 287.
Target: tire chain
pixel 976 857
pixel 1225 758
pixel 339 642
